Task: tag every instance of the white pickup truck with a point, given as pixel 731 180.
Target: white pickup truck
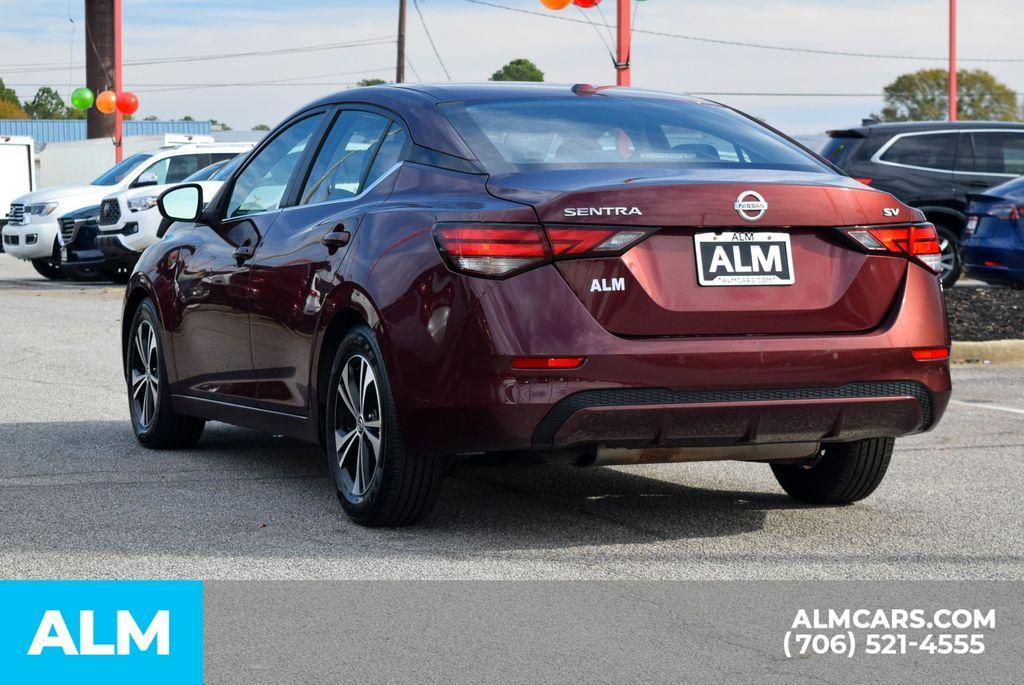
pixel 33 232
pixel 130 221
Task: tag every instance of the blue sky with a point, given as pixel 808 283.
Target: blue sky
pixel 474 41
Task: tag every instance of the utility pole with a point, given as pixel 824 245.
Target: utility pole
pixel 103 66
pixel 400 68
pixel 625 31
pixel 952 61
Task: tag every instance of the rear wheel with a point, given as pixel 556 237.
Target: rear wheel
pixel 950 258
pixel 48 268
pixel 154 420
pixel 842 473
pixel 378 484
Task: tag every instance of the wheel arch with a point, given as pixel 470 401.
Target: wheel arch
pixel 134 296
pixel 950 218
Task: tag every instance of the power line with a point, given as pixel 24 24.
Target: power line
pixel 430 39
pixel 55 66
pixel 736 43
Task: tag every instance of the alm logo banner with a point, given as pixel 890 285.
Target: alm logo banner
pixel 101 631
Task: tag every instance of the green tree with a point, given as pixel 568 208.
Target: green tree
pixel 47 104
pixel 371 82
pixel 11 110
pixel 8 94
pixel 260 127
pixel 518 70
pixel 924 96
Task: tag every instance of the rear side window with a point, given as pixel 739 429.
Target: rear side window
pixel 839 150
pixel 926 150
pixel 995 152
pixel 344 158
pixel 597 131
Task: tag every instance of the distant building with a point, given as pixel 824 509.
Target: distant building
pixel 45 131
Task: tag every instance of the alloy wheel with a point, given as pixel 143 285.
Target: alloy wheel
pixel 358 433
pixel 145 374
pixel 948 257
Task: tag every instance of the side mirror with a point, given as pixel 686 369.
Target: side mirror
pixel 147 179
pixel 181 203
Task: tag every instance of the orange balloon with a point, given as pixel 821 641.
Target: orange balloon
pixel 106 102
pixel 556 4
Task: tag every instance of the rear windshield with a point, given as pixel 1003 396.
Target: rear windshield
pixel 596 131
pixel 837 150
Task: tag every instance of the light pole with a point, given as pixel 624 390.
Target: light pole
pixel 952 60
pixel 400 68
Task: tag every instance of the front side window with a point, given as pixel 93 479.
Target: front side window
pixel 995 152
pixel 119 172
pixel 345 157
pixel 930 151
pixel 595 131
pixel 262 184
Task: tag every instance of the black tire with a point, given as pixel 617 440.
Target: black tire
pixel 154 420
pixel 843 473
pixel 48 268
pixel 950 256
pixel 392 488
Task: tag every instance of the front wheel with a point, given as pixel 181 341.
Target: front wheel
pixel 154 420
pixel 377 482
pixel 842 472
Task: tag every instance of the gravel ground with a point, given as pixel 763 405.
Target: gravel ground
pixel 983 313
pixel 79 497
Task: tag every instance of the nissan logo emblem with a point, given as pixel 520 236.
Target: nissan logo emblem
pixel 750 205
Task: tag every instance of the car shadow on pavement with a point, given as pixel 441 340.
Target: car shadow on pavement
pixel 88 486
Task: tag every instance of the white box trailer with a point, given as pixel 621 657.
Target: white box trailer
pixel 17 171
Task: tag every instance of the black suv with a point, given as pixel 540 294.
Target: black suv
pixel 932 166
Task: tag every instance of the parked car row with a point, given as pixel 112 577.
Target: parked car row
pixel 939 168
pixel 99 230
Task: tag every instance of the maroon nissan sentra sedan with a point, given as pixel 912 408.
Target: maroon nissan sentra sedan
pixel 409 275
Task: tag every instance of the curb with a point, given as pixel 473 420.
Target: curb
pixel 991 351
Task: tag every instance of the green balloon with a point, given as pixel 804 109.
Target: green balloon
pixel 82 98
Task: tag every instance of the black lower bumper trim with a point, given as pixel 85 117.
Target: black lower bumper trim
pixel 544 433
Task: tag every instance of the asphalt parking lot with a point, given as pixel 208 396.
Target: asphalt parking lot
pixel 79 498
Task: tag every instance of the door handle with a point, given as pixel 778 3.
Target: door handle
pixel 244 253
pixel 336 239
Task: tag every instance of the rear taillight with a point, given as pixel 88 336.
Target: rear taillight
pixel 502 250
pixel 865 181
pixel 491 250
pixel 1010 212
pixel 918 240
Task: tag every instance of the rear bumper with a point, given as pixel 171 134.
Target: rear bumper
pixel 710 390
pixel 993 264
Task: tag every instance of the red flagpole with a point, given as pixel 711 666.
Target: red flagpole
pixel 622 68
pixel 118 119
pixel 952 61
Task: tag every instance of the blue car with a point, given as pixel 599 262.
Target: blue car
pixel 992 246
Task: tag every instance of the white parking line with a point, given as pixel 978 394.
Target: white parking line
pixel 983 405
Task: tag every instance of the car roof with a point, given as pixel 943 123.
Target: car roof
pixel 912 126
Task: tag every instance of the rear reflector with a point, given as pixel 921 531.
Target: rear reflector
pixel 502 250
pixel 865 181
pixel 548 362
pixel 917 240
pixel 931 354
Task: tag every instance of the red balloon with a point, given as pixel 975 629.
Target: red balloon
pixel 586 3
pixel 127 103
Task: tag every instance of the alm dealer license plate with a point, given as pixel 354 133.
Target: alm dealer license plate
pixel 744 258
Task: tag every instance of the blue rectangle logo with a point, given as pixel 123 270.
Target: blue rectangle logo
pixel 101 631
